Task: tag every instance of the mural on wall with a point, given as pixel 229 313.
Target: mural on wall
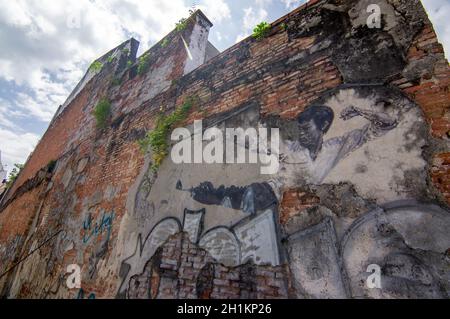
pixel 229 214
pixel 249 199
pixel 254 240
pixel 319 157
pixel 410 242
pixel 407 240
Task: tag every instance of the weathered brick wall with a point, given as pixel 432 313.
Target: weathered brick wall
pixel 182 270
pixel 91 195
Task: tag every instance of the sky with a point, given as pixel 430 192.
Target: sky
pixel 46 47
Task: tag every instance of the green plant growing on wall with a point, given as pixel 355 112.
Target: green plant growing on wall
pixel 110 59
pixel 125 51
pixel 51 166
pixel 144 63
pixel 284 26
pixel 129 64
pixel 102 111
pixel 181 25
pixel 116 82
pixel 14 174
pixel 165 43
pixel 261 31
pixel 158 139
pixel 96 66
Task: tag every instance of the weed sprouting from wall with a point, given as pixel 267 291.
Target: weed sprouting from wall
pixel 181 25
pixel 261 31
pixel 96 66
pixel 158 139
pixel 116 82
pixel 165 43
pixel 102 112
pixel 51 166
pixel 144 63
pixel 14 174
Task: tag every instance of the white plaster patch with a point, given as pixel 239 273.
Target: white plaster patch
pixel 385 159
pixel 259 240
pixel 222 245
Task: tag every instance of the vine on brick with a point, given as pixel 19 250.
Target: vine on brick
pixel 158 139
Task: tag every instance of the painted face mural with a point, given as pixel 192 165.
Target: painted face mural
pixel 195 224
pixel 313 124
pixel 316 155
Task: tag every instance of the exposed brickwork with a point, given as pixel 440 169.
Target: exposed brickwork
pixel 295 201
pixel 431 91
pixel 440 174
pixel 183 270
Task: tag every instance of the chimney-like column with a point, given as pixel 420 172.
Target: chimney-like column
pixel 197 42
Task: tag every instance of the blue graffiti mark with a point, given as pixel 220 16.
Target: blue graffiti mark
pixel 104 225
pixel 81 295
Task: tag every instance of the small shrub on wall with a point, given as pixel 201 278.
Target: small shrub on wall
pixel 144 63
pixel 261 31
pixel 14 174
pixel 181 25
pixel 102 112
pixel 158 139
pixel 96 67
pixel 165 43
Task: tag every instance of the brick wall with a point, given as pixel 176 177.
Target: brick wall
pixel 430 90
pixel 182 270
pixel 282 74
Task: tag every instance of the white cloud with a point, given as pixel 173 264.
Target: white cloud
pixel 216 10
pixel 291 4
pixel 250 20
pixel 45 43
pixel 4 110
pixel 46 46
pixel 438 12
pixel 16 147
pixel 219 36
pixel 262 3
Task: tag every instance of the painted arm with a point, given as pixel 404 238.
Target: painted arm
pixel 379 125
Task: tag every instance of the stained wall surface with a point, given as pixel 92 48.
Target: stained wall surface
pixel 363 179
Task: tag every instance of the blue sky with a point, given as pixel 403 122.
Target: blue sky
pixel 47 45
